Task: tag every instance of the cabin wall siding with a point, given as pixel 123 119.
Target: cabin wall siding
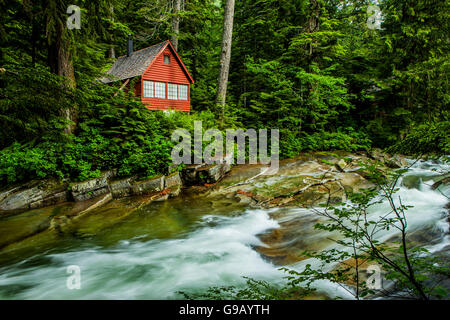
pixel 172 73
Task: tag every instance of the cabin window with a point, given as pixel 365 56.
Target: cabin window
pixel 160 90
pixel 182 92
pixel 166 59
pixel 149 91
pixel 172 92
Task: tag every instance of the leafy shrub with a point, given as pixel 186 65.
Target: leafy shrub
pixel 348 140
pixel 114 131
pixel 433 138
pixel 30 101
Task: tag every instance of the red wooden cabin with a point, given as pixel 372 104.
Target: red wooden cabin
pixel 164 82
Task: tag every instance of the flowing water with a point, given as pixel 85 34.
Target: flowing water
pixel 191 243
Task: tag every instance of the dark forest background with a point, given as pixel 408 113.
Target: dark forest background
pixel 311 68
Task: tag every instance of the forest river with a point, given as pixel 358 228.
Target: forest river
pixel 192 242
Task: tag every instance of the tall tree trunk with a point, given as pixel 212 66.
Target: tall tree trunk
pixel 313 27
pixel 34 39
pixel 176 23
pixel 225 55
pixel 61 63
pixel 313 22
pixel 112 50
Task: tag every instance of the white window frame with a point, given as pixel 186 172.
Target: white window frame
pixel 186 92
pixel 148 89
pixel 172 91
pixel 164 59
pixel 160 90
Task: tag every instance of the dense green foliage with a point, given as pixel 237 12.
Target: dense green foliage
pixel 113 132
pixel 432 138
pixel 311 68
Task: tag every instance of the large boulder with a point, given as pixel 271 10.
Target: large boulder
pixel 149 186
pixel 35 194
pixel 92 188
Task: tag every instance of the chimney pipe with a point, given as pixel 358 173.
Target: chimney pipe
pixel 129 45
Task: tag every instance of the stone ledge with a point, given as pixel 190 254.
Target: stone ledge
pixel 121 188
pixel 92 188
pixel 35 194
pixel 148 186
pixel 204 174
pixel 173 180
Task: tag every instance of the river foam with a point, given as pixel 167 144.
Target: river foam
pixel 213 255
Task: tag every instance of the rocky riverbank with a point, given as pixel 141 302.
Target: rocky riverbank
pixel 179 235
pixel 305 181
pixel 39 194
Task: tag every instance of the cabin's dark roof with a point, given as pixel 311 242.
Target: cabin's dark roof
pixel 133 66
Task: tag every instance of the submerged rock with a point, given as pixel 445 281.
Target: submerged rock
pixel 411 181
pixel 78 210
pixel 441 180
